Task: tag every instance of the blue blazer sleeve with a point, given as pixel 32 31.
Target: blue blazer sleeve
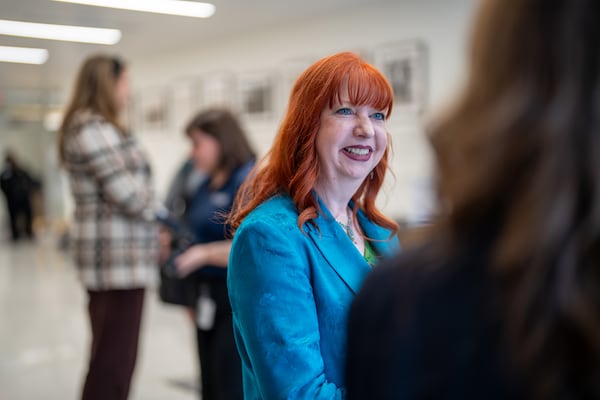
pixel 275 316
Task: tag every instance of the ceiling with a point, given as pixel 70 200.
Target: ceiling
pixel 144 34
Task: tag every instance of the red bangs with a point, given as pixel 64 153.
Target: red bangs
pixel 366 86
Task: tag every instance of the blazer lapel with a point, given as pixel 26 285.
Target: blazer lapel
pixel 383 244
pixel 339 251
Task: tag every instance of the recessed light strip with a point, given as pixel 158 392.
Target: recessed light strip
pixel 171 7
pixel 67 33
pixel 23 55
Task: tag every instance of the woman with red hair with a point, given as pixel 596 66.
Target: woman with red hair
pixel 308 231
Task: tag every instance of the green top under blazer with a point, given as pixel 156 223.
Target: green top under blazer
pixel 290 293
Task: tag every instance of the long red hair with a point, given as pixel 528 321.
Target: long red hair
pixel 292 166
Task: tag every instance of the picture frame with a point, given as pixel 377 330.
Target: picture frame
pixel 218 90
pixel 405 66
pixel 257 94
pixel 151 112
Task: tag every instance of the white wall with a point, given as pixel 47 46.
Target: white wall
pixel 441 24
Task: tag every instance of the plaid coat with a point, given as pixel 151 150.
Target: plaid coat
pixel 114 239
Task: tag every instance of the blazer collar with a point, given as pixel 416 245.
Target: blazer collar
pixel 383 244
pixel 336 247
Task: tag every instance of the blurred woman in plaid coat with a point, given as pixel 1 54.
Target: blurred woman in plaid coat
pixel 114 238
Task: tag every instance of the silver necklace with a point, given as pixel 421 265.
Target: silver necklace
pixel 348 225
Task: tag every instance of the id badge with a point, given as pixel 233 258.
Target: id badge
pixel 206 309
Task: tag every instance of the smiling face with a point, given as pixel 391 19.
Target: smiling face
pixel 351 141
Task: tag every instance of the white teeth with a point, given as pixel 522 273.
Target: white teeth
pixel 358 152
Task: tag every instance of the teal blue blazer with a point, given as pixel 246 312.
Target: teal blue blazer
pixel 290 294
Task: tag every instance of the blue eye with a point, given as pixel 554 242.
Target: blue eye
pixel 379 116
pixel 344 111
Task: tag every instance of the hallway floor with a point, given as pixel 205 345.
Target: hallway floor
pixel 44 333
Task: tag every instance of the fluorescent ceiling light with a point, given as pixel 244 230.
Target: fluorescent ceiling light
pixel 23 55
pixel 172 7
pixel 68 33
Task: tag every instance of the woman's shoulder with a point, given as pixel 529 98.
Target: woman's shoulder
pixel 85 119
pixel 270 230
pixel 87 125
pixel 241 172
pixel 278 212
pixel 427 272
pixel 406 268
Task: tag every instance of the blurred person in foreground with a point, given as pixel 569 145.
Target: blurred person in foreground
pixel 308 231
pixel 221 152
pixel 114 240
pixel 18 187
pixel 503 302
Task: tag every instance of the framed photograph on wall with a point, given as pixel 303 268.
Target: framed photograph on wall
pixel 257 92
pixel 405 65
pixel 218 89
pixel 151 109
pixel 185 101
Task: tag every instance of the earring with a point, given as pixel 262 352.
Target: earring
pixel 371 175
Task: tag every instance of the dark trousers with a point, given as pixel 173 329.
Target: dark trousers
pixel 20 212
pixel 220 364
pixel 115 317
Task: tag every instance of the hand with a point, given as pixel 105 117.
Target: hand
pixel 191 260
pixel 164 245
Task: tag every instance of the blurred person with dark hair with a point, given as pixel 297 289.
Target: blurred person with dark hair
pixel 503 301
pixel 221 151
pixel 308 231
pixel 114 239
pixel 17 185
